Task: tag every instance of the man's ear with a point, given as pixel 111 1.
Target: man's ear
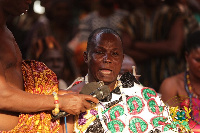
pixel 85 57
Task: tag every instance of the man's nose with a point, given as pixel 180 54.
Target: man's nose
pixel 107 58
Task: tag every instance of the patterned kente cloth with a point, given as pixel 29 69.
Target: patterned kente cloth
pixel 128 110
pixel 195 112
pixel 194 126
pixel 38 79
pixel 193 103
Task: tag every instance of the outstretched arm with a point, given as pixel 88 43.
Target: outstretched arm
pixel 17 100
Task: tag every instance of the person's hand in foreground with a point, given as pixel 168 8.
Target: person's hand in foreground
pixel 74 103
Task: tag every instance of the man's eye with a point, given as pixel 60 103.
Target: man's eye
pixel 115 53
pixel 99 52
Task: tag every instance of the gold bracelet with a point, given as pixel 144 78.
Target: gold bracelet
pixel 56 102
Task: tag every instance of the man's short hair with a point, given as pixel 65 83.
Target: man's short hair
pixel 92 37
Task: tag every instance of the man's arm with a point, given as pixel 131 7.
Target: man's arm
pixel 14 99
pixel 136 54
pixel 172 45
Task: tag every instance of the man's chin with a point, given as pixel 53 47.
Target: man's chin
pixel 107 81
pixel 106 78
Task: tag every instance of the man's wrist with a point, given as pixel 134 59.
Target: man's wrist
pixel 56 103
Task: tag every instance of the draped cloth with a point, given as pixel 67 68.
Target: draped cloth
pixel 128 110
pixel 194 124
pixel 38 79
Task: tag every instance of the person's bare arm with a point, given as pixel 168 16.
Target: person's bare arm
pixel 16 100
pixel 172 45
pixel 19 101
pixel 169 92
pixel 136 54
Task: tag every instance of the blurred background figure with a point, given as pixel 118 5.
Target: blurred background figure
pixel 194 5
pixel 129 5
pixel 57 21
pixel 183 89
pixel 105 15
pixel 153 35
pixel 187 10
pixel 82 8
pixel 48 51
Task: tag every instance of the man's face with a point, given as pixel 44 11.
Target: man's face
pixel 104 58
pixel 15 7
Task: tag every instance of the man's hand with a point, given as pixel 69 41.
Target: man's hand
pixel 74 103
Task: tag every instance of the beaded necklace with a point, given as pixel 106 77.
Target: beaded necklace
pixel 188 88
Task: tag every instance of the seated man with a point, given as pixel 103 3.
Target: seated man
pixel 129 107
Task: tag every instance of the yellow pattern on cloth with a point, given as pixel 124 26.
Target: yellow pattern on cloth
pixel 38 79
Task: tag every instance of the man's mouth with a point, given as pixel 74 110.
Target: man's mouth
pixel 105 71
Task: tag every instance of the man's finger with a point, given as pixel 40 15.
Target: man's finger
pixel 90 98
pixel 87 105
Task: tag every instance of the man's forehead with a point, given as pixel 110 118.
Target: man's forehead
pixel 105 47
pixel 101 46
pixel 105 36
